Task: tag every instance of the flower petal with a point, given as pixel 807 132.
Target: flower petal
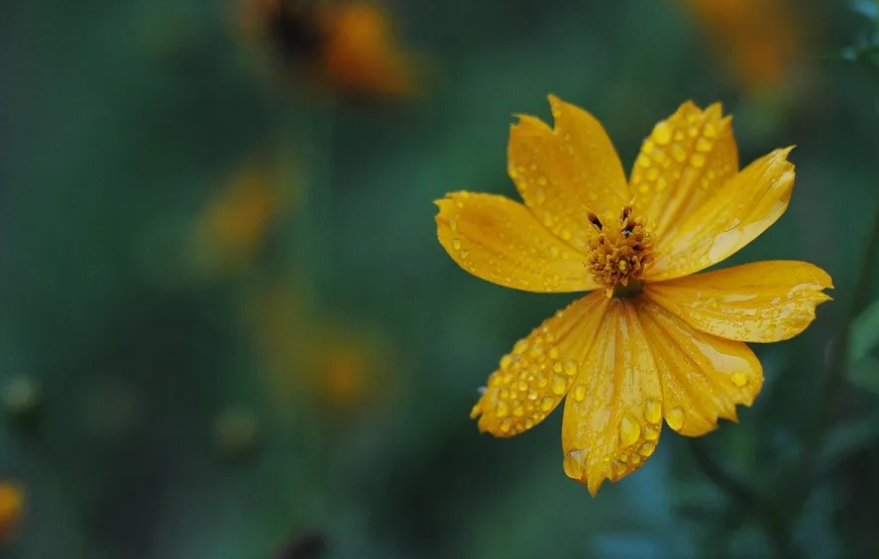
pixel 686 159
pixel 500 241
pixel 613 414
pixel 565 173
pixel 536 375
pixel 740 211
pixel 703 377
pixel 759 302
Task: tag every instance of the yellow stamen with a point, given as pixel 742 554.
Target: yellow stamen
pixel 619 252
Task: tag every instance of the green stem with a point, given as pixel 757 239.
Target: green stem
pixel 773 520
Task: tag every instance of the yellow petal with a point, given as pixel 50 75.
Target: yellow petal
pixel 500 241
pixel 533 378
pixel 703 377
pixel 759 302
pixel 686 159
pixel 565 173
pixel 613 414
pixel 740 211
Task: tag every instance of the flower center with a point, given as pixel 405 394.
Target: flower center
pixel 619 252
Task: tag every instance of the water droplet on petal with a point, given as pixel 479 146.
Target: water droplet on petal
pixel 630 431
pixel 502 409
pixel 675 418
pixel 739 378
pixel 662 133
pixel 678 153
pixel 573 464
pixel 570 367
pixel 558 385
pixel 698 160
pixel 647 449
pixel 651 433
pixel 653 411
pixel 547 403
pixel 580 392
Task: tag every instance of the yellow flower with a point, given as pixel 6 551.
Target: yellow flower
pixel 236 221
pixel 348 47
pixel 757 38
pixel 339 363
pixel 11 505
pixel 652 342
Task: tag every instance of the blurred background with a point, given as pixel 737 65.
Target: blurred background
pixel 227 329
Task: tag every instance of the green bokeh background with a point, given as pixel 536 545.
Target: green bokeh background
pixel 120 120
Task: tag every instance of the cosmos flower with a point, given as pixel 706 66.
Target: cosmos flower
pixel 652 341
pixel 757 39
pixel 348 47
pixel 234 225
pixel 11 505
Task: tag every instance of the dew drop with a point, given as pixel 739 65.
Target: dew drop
pixel 703 145
pixel 519 411
pixel 630 431
pixel 502 409
pixel 635 459
pixel 678 153
pixel 675 418
pixel 558 385
pixel 520 347
pixel 662 133
pixel 651 433
pixel 646 449
pixel 546 404
pixel 643 161
pixel 570 367
pixel 710 131
pixel 698 160
pixel 573 464
pixel 557 367
pixel 553 353
pixel 456 244
pixel 653 411
pixel 506 361
pixel 505 425
pixel 739 378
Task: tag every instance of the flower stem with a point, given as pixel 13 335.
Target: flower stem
pixel 771 517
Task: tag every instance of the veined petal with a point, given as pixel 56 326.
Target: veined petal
pixel 703 377
pixel 566 172
pixel 613 415
pixel 533 378
pixel 500 241
pixel 740 211
pixel 686 159
pixel 759 302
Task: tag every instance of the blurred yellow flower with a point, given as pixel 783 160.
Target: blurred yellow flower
pixel 11 506
pixel 347 46
pixel 337 363
pixel 652 341
pixel 758 38
pixel 235 222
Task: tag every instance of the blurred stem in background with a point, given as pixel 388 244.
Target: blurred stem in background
pixel 766 510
